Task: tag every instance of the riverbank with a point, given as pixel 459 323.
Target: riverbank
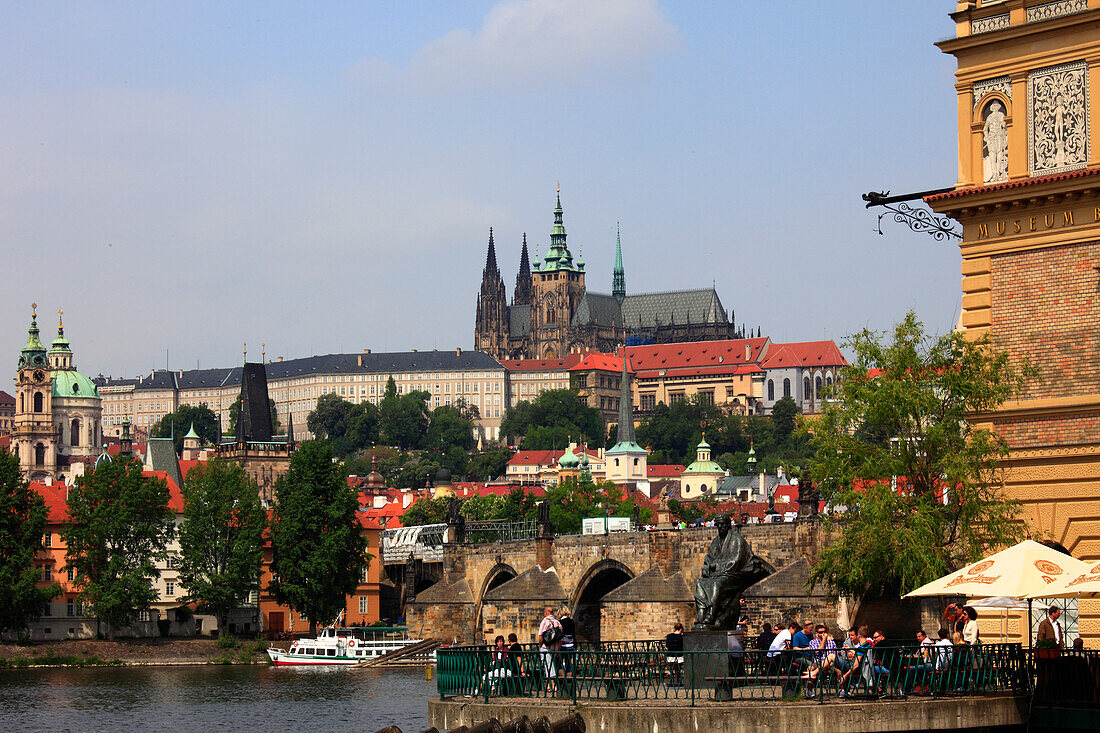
pixel 131 653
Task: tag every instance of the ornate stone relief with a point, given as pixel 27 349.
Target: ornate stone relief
pixel 1002 84
pixel 1058 124
pixel 994 143
pixel 1046 11
pixel 989 24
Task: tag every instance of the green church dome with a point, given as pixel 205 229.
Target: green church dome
pixel 71 383
pixel 569 459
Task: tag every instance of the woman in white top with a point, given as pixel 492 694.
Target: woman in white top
pixel 970 631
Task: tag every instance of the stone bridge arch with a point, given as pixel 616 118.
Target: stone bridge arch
pixel 585 601
pixel 497 576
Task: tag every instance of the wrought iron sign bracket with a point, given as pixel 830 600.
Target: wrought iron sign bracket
pixel 919 219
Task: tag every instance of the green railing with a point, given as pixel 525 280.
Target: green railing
pixel 653 673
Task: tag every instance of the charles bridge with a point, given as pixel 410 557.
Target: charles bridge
pixel 622 585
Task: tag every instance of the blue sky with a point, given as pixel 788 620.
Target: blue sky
pixel 321 177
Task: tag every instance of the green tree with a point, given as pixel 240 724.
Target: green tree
pixel 678 428
pixel 276 426
pixel 119 523
pixel 23 518
pixel 449 427
pixel 783 415
pixel 910 419
pixel 318 550
pixel 176 425
pixel 559 412
pixel 489 465
pixel 221 538
pixel 403 419
pixel 348 427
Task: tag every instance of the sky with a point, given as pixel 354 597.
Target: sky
pixel 183 178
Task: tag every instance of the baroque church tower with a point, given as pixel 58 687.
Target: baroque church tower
pixel 491 328
pixel 34 439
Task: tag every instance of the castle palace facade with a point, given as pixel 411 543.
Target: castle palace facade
pixel 553 314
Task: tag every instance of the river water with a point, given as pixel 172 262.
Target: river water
pixel 195 699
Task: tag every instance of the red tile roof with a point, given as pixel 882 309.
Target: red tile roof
pixel 1019 183
pixel 700 357
pixel 804 353
pixel 601 362
pixel 663 471
pixel 175 496
pixel 535 365
pixel 186 466
pixel 6 399
pixel 55 495
pixel 543 457
pixel 5 441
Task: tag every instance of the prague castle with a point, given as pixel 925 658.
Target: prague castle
pixel 553 313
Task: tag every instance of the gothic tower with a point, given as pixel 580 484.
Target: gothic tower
pixel 491 327
pixel 558 288
pixel 33 437
pixel 618 278
pixel 522 294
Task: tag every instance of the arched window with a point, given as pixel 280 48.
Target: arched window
pixel 817 385
pixel 38 402
pixel 635 462
pixel 616 463
pixel 786 388
pixel 828 380
pixel 74 432
pixel 771 390
pixel 22 403
pixel 39 455
pixel 806 394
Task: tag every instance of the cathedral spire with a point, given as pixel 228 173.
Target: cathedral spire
pixel 626 409
pixel 491 256
pixel 522 294
pixel 618 279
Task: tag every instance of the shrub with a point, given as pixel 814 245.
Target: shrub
pixel 228 641
pixel 261 645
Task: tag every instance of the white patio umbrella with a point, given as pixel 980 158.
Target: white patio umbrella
pixel 1017 572
pixel 1073 585
pixel 1005 604
pixel 1022 569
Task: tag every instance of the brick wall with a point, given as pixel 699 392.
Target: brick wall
pixel 1042 431
pixel 445 621
pixel 644 620
pixel 1045 309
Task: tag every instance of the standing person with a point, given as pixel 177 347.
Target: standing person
pixel 674 644
pixel 1049 628
pixel 970 630
pixel 515 655
pixel 568 640
pixel 550 634
pixel 955 617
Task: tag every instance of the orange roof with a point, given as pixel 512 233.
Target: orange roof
pixel 535 365
pixel 55 495
pixel 664 471
pixel 733 369
pixel 601 362
pixel 714 354
pixel 186 466
pixel 1038 180
pixel 543 457
pixel 5 441
pixel 804 353
pixel 175 496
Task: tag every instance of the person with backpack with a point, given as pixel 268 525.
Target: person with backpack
pixel 550 635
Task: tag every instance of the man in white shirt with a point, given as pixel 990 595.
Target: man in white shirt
pixel 782 640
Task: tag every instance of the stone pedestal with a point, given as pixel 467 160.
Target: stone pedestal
pixel 706 671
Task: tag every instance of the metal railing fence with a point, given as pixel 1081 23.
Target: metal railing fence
pixel 656 674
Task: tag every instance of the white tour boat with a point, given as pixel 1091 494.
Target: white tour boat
pixel 342 646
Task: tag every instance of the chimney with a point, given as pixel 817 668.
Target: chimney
pixel 458 352
pixel 748 352
pixel 366 351
pixel 360 360
pixel 279 358
pixel 414 351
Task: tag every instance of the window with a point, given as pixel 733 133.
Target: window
pixel 47 610
pixel 817 385
pixel 70 607
pixel 363 575
pixel 169 588
pixel 363 605
pixel 786 388
pixel 332 652
pixel 45 569
pixel 70 573
pixel 38 402
pixel 47 539
pixel 771 390
pixel 806 393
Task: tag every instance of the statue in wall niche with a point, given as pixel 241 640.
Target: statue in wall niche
pixel 995 145
pixel 729 567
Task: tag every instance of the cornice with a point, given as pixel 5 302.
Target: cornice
pixel 1015 32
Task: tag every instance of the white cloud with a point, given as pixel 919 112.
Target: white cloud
pixel 537 43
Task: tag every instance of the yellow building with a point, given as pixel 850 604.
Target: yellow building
pixel 1028 199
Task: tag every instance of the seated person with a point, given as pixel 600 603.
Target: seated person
pixel 674 643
